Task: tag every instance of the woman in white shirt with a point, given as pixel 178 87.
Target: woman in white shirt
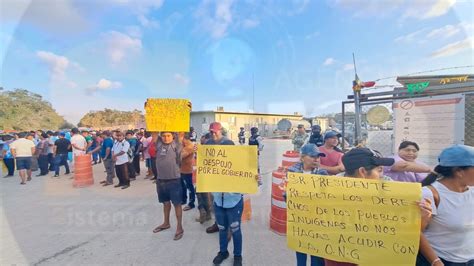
pixel 448 238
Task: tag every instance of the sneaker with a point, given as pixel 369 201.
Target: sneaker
pixel 56 175
pixel 67 173
pixel 221 256
pixel 28 179
pixel 237 260
pixel 126 186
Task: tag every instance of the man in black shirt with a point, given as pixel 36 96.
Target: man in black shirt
pixel 60 151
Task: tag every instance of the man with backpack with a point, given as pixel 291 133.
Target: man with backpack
pixel 131 154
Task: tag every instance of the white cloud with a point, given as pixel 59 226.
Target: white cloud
pixel 134 31
pixel 441 7
pixel 104 84
pixel 454 48
pixel 57 66
pixel 450 30
pixel 250 23
pixel 183 80
pixel 215 19
pixel 119 46
pixel 53 16
pixel 348 67
pixel 411 36
pixel 418 9
pixel 148 23
pixel 329 61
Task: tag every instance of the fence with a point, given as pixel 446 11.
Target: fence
pixel 381 136
pixel 378 137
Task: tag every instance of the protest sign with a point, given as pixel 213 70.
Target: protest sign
pixel 171 115
pixel 226 168
pixel 361 221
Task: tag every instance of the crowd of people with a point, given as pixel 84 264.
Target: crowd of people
pixel 446 208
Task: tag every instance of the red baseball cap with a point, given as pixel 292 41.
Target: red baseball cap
pixel 215 126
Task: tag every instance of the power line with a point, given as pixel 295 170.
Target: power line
pixel 427 71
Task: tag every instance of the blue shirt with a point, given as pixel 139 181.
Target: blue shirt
pixel 225 200
pixel 6 147
pixel 107 143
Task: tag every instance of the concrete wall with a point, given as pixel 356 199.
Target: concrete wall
pixel 201 121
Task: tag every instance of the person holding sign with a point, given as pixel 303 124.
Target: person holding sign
pixel 228 208
pixel 448 236
pixel 168 184
pixel 366 163
pixel 310 162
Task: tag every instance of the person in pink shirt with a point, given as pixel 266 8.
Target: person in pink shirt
pixel 332 162
pixel 406 167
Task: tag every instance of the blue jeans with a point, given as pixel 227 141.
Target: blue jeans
pixel 230 218
pixel 187 184
pixel 60 159
pixel 302 257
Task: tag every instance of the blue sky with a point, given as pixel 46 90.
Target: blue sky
pixel 89 55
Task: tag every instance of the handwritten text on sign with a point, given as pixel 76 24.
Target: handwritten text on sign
pixel 167 115
pixel 353 220
pixel 226 168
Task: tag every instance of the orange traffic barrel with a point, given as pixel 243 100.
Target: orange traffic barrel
pixel 83 175
pixel 290 158
pixel 247 212
pixel 278 208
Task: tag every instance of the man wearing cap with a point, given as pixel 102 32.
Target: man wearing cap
pixel 299 137
pixel 228 208
pixel 332 162
pixel 60 150
pixel 316 136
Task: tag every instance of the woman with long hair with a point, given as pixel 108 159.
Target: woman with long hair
pixel 448 237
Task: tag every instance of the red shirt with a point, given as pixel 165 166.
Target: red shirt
pixel 152 149
pixel 333 158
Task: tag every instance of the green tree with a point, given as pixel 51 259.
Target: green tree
pixel 110 118
pixel 24 110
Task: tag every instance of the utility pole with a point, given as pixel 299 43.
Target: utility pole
pixel 356 89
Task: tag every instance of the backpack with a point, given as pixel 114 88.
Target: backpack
pixel 137 147
pixel 130 155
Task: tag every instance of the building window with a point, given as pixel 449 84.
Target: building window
pixel 204 120
pixel 232 120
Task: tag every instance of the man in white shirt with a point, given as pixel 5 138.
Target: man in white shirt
pixel 78 143
pixel 120 157
pixel 22 150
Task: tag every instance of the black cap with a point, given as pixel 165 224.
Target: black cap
pixel 364 157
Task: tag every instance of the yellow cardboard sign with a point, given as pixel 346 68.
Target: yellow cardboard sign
pixel 167 115
pixel 361 221
pixel 226 168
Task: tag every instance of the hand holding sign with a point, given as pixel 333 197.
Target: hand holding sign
pixel 353 220
pixel 172 115
pixel 227 168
